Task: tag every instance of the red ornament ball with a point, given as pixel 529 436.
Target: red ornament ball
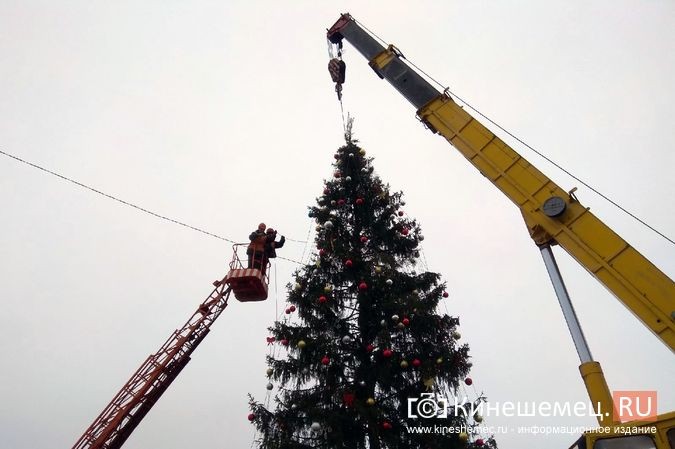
pixel 288 311
pixel 400 213
pixel 468 381
pixel 341 202
pixel 337 174
pixel 363 286
pixel 445 294
pixel 292 308
pixel 251 417
pixel 387 353
pixel 416 363
pixel 364 239
pixel 359 201
pixel 405 231
pixel 386 425
pixel 284 342
pixel 326 191
pixel 348 263
pixel 480 442
pixel 406 321
pixel 370 348
pixel 325 360
pixel 322 252
pixel 322 299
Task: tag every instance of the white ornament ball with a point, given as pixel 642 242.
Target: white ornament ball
pixel 351 154
pixel 270 386
pixel 346 339
pixel 316 426
pixel 364 170
pixel 362 383
pixel 383 323
pixel 348 178
pixel 333 202
pixel 394 317
pixel 328 225
pixel 389 282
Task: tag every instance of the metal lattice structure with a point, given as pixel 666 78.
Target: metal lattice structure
pixel 135 399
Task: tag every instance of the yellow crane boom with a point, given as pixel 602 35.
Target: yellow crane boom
pixel 552 215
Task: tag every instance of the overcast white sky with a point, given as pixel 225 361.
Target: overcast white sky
pixel 222 114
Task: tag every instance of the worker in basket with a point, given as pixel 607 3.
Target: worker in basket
pixel 271 245
pixel 263 247
pixel 256 249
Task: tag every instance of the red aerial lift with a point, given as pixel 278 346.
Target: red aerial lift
pixel 135 399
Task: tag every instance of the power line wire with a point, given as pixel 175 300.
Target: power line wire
pixel 126 203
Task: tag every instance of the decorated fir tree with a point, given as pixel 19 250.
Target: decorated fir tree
pixel 362 343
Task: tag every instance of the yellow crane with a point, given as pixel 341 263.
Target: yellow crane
pixel 553 216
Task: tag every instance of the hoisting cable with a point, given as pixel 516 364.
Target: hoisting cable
pixel 337 70
pixel 126 203
pixel 549 160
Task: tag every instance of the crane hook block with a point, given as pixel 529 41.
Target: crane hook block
pixel 337 69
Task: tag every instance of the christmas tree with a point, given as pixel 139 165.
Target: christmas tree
pixel 364 354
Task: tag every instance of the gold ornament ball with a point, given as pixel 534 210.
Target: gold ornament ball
pixel 404 364
pixel 298 286
pixel 328 288
pixel 269 371
pixel 362 152
pixel 463 437
pixel 370 401
pixel 478 418
pixel 378 270
pixel 302 344
pixel 456 335
pixel 439 360
pixel 318 228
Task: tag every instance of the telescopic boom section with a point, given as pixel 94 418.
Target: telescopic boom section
pixel 115 424
pixel 552 215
